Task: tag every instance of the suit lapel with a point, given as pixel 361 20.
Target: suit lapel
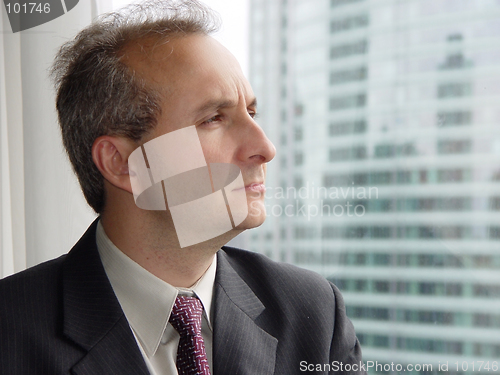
pixel 241 347
pixel 92 315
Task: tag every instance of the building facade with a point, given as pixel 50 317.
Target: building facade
pixel 386 119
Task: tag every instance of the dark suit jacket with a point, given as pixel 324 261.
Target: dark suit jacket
pixel 62 317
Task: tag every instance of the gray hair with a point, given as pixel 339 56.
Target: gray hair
pixel 97 94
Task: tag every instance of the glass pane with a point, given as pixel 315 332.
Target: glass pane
pixel 387 180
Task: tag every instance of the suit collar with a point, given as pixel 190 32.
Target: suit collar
pixel 145 299
pixel 146 304
pixel 92 315
pixel 240 345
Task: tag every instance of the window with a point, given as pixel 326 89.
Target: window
pixel 412 111
pixel 283 139
pixel 336 3
pixel 340 128
pixel 381 259
pixel 351 75
pixel 451 175
pixel 299 158
pixel 495 203
pixel 346 50
pixel 455 61
pixel 381 286
pixel 455 118
pixel 486 350
pixel 299 134
pixel 345 154
pixel 284 68
pixel 304 232
pixel 453 90
pixel 385 151
pixel 484 290
pixel 348 23
pixel 453 289
pixel 381 178
pixel 379 205
pixel 298 182
pixel 390 150
pixel 381 341
pixel 430 346
pixel 434 204
pixel 485 320
pixel 299 110
pixel 364 312
pixel 450 232
pixel 494 232
pixel 344 102
pixel 360 259
pixel 403 177
pixel 360 285
pixel 454 147
pixel 423 260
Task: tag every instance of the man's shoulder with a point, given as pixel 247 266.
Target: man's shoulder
pixel 260 272
pixel 30 300
pixel 49 272
pixel 43 271
pixel 32 282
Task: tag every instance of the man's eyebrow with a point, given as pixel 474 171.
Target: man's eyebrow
pixel 215 104
pixel 253 103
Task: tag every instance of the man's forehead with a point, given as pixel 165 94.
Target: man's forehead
pixel 173 63
pixel 147 52
pixel 156 51
pixel 178 58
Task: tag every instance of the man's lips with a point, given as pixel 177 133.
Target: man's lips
pixel 258 187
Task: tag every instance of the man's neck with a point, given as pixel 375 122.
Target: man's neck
pixel 149 239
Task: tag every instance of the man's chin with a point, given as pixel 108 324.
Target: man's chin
pixel 256 216
pixel 251 222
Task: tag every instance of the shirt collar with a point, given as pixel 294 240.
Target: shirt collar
pixel 146 300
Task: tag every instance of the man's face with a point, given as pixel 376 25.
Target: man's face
pixel 202 85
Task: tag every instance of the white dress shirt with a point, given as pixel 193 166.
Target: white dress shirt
pixel 147 302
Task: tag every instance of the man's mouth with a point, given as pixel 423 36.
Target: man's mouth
pixel 258 187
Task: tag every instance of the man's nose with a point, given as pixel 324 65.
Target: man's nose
pixel 254 143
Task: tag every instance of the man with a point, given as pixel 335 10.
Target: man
pixel 109 306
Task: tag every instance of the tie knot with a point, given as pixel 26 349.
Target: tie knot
pixel 186 315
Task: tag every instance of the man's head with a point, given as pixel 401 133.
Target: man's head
pixel 98 94
pixel 130 78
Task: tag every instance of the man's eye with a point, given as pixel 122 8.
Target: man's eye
pixel 212 119
pixel 253 115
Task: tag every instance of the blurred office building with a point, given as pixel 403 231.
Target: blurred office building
pixel 386 118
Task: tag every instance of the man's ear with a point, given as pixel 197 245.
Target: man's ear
pixel 110 155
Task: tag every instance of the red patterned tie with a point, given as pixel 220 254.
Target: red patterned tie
pixel 186 319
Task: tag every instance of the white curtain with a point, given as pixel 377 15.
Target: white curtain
pixel 42 210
